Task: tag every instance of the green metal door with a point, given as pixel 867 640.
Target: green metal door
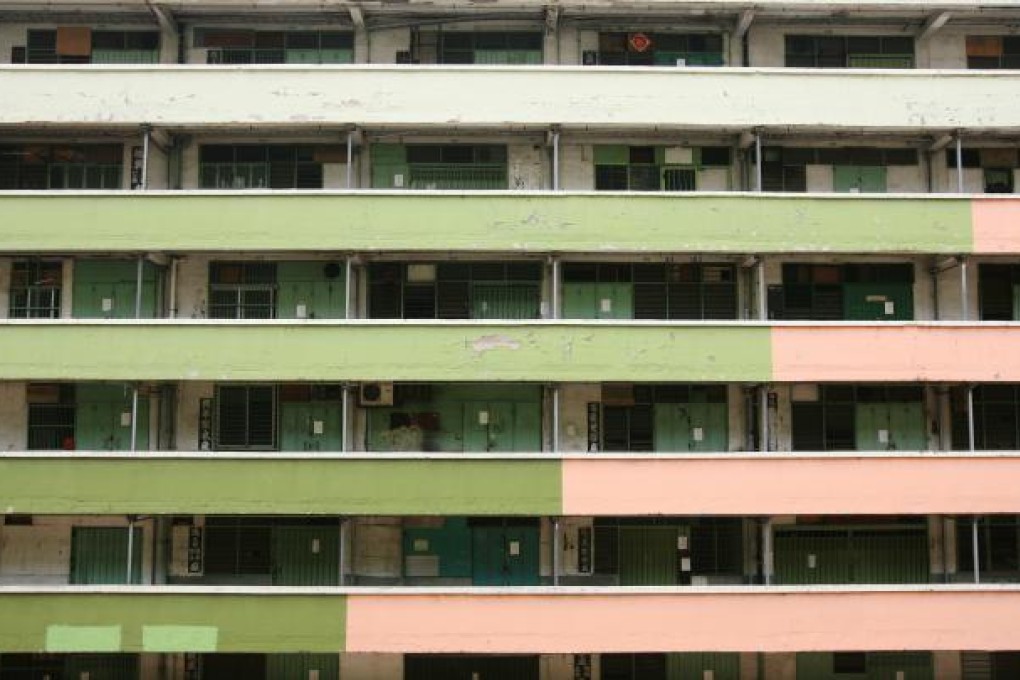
pixel 99 555
pixel 865 179
pixel 302 666
pixel 598 301
pixel 873 427
pixel 699 427
pixel 907 427
pixel 101 666
pixel 389 166
pixel 105 289
pixel 306 555
pixel 310 290
pixel 881 556
pixel 103 418
pixel 669 428
pixel 504 555
pixel 311 426
pixel 504 301
pixel 878 666
pixel 694 665
pixel 501 426
pixel 648 555
pixel 878 302
pixel 811 557
pixel 449 543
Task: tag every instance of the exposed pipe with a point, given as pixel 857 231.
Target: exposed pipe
pixel 146 134
pixel 935 291
pixel 763 444
pixel 556 419
pixel 762 301
pixel 345 417
pixel 555 289
pixel 766 551
pixel 757 162
pixel 130 548
pixel 555 161
pixel 974 549
pixel 350 161
pixel 971 435
pixel 964 290
pixel 173 288
pixel 343 550
pixel 139 274
pixel 556 551
pixel 348 284
pixel 134 418
pixel 959 164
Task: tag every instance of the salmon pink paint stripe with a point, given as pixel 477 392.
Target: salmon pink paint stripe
pixel 739 485
pixel 677 621
pixel 896 353
pixel 996 225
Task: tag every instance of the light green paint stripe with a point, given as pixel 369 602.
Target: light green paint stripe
pixel 437 352
pixel 565 223
pixel 41 622
pixel 83 638
pixel 180 638
pixel 281 486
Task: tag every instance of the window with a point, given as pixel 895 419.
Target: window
pixel 823 51
pixel 785 168
pixel 998 166
pixel 237 546
pixel 633 666
pixel 993 52
pixel 35 290
pixel 514 47
pixel 999 292
pixel 51 410
pixel 855 292
pixel 996 418
pixel 252 166
pixel 53 166
pixel 654 168
pixel 242 290
pixel 454 290
pixel 626 417
pixel 238 46
pixel 650 291
pixel 998 545
pixel 716 544
pixel 849 662
pixel 82 45
pixel 849 418
pixel 439 166
pixel 661 49
pixel 245 417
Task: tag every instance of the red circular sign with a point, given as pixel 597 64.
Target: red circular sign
pixel 639 42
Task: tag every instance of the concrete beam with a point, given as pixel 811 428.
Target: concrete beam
pixel 933 24
pixel 743 24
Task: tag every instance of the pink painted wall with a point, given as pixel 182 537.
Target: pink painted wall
pixel 895 353
pixel 677 621
pixel 816 485
pixel 996 224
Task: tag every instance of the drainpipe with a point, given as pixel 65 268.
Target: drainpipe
pixel 173 287
pixel 146 134
pixel 555 418
pixel 766 551
pixel 345 417
pixel 556 551
pixel 130 548
pixel 350 156
pixel 134 392
pixel 555 160
pixel 556 312
pixel 971 435
pixel 964 292
pixel 758 162
pixel 762 301
pixel 348 284
pixel 343 549
pixel 974 548
pixel 959 164
pixel 934 271
pixel 763 396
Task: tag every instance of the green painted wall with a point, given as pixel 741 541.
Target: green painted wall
pixel 371 351
pixel 335 486
pixel 564 223
pixel 172 622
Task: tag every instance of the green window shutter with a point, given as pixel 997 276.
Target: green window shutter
pixel 612 155
pixel 648 555
pixel 99 555
pixel 306 555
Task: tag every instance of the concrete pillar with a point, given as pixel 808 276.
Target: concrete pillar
pixel 947 665
pixel 780 666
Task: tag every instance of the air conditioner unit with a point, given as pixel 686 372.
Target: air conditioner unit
pixel 375 394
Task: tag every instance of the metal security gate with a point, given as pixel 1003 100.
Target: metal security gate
pixel 302 666
pixel 648 555
pixel 99 555
pixel 306 555
pixel 101 667
pixel 837 555
pixel 865 666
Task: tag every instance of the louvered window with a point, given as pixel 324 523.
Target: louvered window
pixel 245 417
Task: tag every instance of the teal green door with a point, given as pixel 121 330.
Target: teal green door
pixel 693 666
pixel 865 179
pixel 893 426
pixel 99 555
pixel 103 418
pixel 105 289
pixel 302 666
pixel 648 555
pixel 501 426
pixel 812 557
pixel 504 555
pixel 101 666
pixel 598 301
pixel 306 555
pixel 311 426
pixel 697 427
pixel 878 302
pixel 310 290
